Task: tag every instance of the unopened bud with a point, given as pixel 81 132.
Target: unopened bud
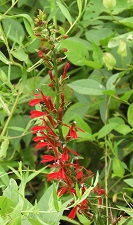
pixel 65 49
pixel 59 59
pixel 40 54
pixel 109 4
pixel 122 50
pixel 109 60
pixel 65 36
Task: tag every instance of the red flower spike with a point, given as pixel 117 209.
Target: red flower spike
pixel 37 129
pixel 48 158
pixel 40 54
pixel 72 214
pixel 36 113
pixel 34 102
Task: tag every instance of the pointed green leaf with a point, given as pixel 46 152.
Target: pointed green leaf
pixel 65 12
pixel 87 87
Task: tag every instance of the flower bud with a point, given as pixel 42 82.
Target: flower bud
pixel 122 50
pixel 109 60
pixel 40 54
pixel 109 4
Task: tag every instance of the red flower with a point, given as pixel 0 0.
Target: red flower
pixel 36 113
pixel 66 67
pixel 38 138
pixel 42 144
pixel 72 214
pixel 61 191
pixel 35 101
pixel 37 129
pixel 60 175
pixel 100 192
pixel 72 132
pixel 48 158
pixel 64 156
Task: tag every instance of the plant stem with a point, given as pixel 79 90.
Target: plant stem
pixel 9 118
pixel 57 93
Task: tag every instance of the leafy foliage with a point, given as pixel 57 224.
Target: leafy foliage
pixel 98 97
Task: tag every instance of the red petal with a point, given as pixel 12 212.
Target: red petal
pixel 37 129
pixel 42 144
pixel 72 214
pixel 61 191
pixel 36 113
pixel 48 158
pixel 52 176
pixel 34 102
pixel 64 156
pixel 38 138
pixel 79 174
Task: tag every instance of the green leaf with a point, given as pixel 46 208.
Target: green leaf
pixel 4 148
pixel 127 22
pixel 82 124
pixel 92 64
pixel 118 168
pixel 83 220
pixel 55 198
pixel 78 109
pixel 4 59
pixel 13 30
pixel 97 54
pixel 129 182
pixel 78 191
pixel 79 4
pixel 65 218
pixel 51 216
pixel 123 129
pixel 20 55
pixel 3 176
pixel 34 222
pixel 35 173
pixel 27 17
pixel 130 114
pixel 11 191
pixel 65 12
pixel 97 35
pixel 6 205
pixel 110 85
pixel 127 37
pixel 77 51
pixel 106 129
pixel 87 87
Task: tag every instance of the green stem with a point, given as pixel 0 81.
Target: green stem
pixel 8 10
pixel 8 48
pixel 9 118
pixel 57 93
